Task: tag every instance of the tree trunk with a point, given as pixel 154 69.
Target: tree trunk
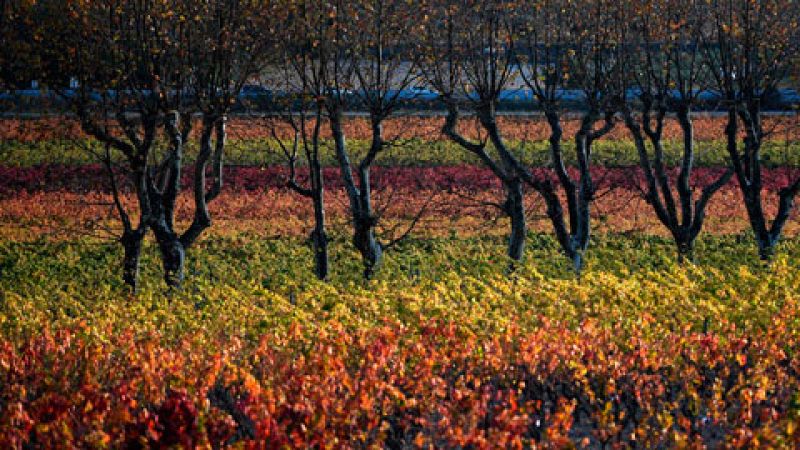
pixel 766 248
pixel 366 243
pixel 132 244
pixel 746 164
pixel 319 239
pixel 583 201
pixel 577 263
pixel 515 208
pixel 173 253
pixel 685 248
pixel 359 197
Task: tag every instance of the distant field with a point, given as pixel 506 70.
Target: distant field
pixel 416 142
pixel 706 128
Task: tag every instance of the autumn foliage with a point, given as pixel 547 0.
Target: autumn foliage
pixel 230 225
pixel 386 386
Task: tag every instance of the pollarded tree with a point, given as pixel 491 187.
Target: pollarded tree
pixel 469 62
pixel 752 47
pixel 572 50
pixel 385 64
pixel 130 64
pixel 224 48
pixel 667 75
pixel 143 68
pixel 360 55
pixel 300 73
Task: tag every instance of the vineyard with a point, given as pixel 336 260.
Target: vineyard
pixel 443 348
pixel 399 224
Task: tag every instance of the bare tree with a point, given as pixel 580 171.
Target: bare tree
pixel 384 64
pixel 306 127
pixel 224 49
pixel 360 56
pixel 469 62
pixel 123 55
pixel 667 74
pixel 477 48
pixel 143 69
pixel 751 46
pixel 301 76
pixel 569 49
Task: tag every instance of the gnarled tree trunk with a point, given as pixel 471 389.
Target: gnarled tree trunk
pixel 573 239
pixel 747 166
pixel 686 222
pixel 173 246
pixel 505 170
pixel 515 209
pixel 136 152
pixel 359 196
pixel 131 241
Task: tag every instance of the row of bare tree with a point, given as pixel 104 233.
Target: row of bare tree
pixel 144 68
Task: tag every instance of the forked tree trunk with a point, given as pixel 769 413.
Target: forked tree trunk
pixel 170 247
pixel 173 246
pixel 574 240
pixel 316 189
pixel 365 220
pixel 747 165
pixel 136 153
pixel 361 214
pixel 162 204
pixel 767 236
pixel 684 216
pixel 506 172
pixel 507 169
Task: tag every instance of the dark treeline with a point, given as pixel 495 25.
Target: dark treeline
pixel 135 73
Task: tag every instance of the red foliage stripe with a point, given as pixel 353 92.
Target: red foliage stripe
pixel 444 178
